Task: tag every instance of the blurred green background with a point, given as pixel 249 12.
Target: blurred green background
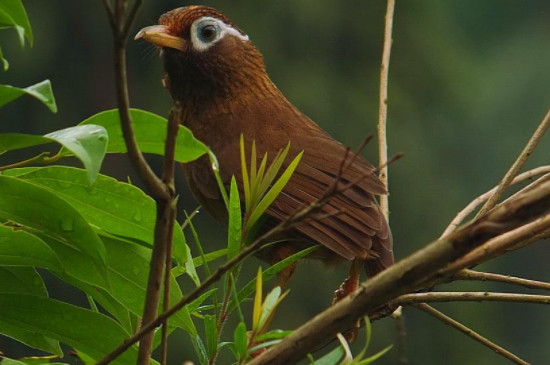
pixel 469 82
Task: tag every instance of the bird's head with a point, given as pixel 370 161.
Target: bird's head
pixel 206 56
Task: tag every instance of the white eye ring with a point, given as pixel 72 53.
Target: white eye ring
pixel 200 43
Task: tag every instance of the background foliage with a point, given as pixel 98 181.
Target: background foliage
pixel 469 82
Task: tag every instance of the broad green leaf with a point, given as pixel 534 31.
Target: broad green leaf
pixel 91 332
pixel 211 332
pixel 150 132
pixel 30 338
pixel 3 61
pixel 41 91
pixel 37 360
pixel 234 229
pixel 113 206
pixel 40 209
pixel 21 248
pixel 272 194
pixel 240 340
pixel 13 14
pixel 87 143
pixel 128 271
pixel 21 279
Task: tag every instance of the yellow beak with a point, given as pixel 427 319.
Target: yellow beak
pixel 160 36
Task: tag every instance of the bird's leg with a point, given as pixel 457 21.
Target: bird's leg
pixel 351 283
pixel 280 253
pixel 346 288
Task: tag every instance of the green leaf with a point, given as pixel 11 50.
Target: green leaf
pixel 87 142
pixel 270 303
pixel 21 248
pixel 198 345
pixel 91 332
pixel 211 332
pixel 35 207
pixel 150 132
pixel 257 308
pixel 23 280
pixel 128 271
pixel 113 206
pixel 332 358
pixel 13 14
pixel 273 335
pixel 272 194
pixel 234 229
pixel 3 61
pixel 195 304
pixel 30 338
pixel 270 272
pixel 240 340
pixel 246 179
pixel 374 357
pixel 41 91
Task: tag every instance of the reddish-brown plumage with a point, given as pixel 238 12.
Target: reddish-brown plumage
pixel 225 92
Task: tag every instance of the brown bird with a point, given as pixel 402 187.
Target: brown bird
pixel 220 79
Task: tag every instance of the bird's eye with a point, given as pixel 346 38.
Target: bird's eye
pixel 208 33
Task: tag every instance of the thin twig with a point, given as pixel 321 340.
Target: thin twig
pixel 383 104
pixel 468 274
pixel 383 156
pixel 36 159
pixel 470 208
pixel 168 179
pixel 518 164
pixel 470 333
pixel 440 297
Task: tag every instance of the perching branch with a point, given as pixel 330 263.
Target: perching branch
pixel 469 332
pixel 408 275
pixel 440 297
pixel 468 274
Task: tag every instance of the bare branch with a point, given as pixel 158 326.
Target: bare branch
pixel 468 274
pixel 470 333
pixel 470 208
pixel 383 104
pixel 470 297
pixel 518 164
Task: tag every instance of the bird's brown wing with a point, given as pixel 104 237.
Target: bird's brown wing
pixel 355 226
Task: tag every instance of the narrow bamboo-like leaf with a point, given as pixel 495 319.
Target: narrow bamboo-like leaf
pixel 263 345
pixel 198 345
pixel 41 91
pixel 270 272
pixel 240 340
pixel 269 305
pixel 257 302
pixel 150 133
pixel 189 265
pixel 42 210
pixel 93 333
pixel 21 248
pixel 253 173
pixel 332 358
pixel 211 335
pixel 273 335
pixel 374 357
pixel 274 168
pixel 113 206
pixel 211 256
pixel 246 179
pixel 194 305
pixel 3 61
pixel 14 14
pixel 234 228
pixel 272 194
pixel 257 192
